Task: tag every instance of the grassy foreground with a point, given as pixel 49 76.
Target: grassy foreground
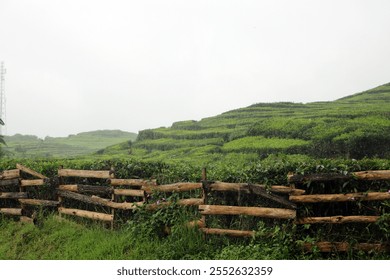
pixel 61 239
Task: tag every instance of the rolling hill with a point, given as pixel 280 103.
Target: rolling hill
pixel 355 126
pixel 29 146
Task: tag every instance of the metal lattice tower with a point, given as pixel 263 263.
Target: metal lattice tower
pixel 2 94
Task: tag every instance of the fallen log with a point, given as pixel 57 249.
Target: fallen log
pixel 275 213
pixel 30 171
pixel 11 211
pixel 230 232
pixel 86 214
pixel 314 198
pixel 99 174
pixel 13 195
pixel 337 220
pixel 38 202
pixel 328 247
pixel 9 174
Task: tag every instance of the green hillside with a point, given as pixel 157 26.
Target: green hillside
pixel 29 146
pixel 355 126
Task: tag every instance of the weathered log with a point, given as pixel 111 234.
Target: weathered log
pixel 9 174
pixel 28 183
pixel 11 211
pixel 26 220
pixel 361 175
pixel 80 197
pixel 317 177
pixel 328 247
pixel 30 171
pixel 105 190
pixel 190 201
pixel 275 213
pixel 86 214
pixel 287 190
pixel 38 202
pixel 260 190
pixel 99 174
pixel 181 202
pixel 314 198
pixel 71 188
pixel 87 189
pixel 198 223
pixel 228 187
pixel 9 182
pixel 249 188
pixel 113 199
pixel 132 182
pixel 372 175
pixel 337 220
pixel 230 232
pixel 127 192
pixel 117 205
pixel 13 195
pixel 280 200
pixel 178 187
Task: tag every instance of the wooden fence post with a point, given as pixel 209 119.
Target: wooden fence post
pixel 205 187
pixel 113 198
pixel 60 182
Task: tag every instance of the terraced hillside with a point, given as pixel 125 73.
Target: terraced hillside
pixel 29 146
pixel 355 126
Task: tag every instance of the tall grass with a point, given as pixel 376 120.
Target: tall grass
pixel 64 239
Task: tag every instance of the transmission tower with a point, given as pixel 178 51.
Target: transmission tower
pixel 2 94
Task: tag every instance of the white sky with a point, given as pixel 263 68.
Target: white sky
pixel 75 65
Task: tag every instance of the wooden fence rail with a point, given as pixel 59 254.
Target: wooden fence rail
pixel 274 213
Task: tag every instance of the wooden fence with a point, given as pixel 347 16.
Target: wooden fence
pixel 341 199
pixel 98 195
pixel 15 186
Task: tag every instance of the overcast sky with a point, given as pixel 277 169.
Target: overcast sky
pixel 75 65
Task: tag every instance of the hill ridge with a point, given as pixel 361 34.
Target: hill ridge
pixel 83 143
pixel 355 126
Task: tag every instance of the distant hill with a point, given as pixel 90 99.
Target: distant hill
pixel 30 146
pixel 355 126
